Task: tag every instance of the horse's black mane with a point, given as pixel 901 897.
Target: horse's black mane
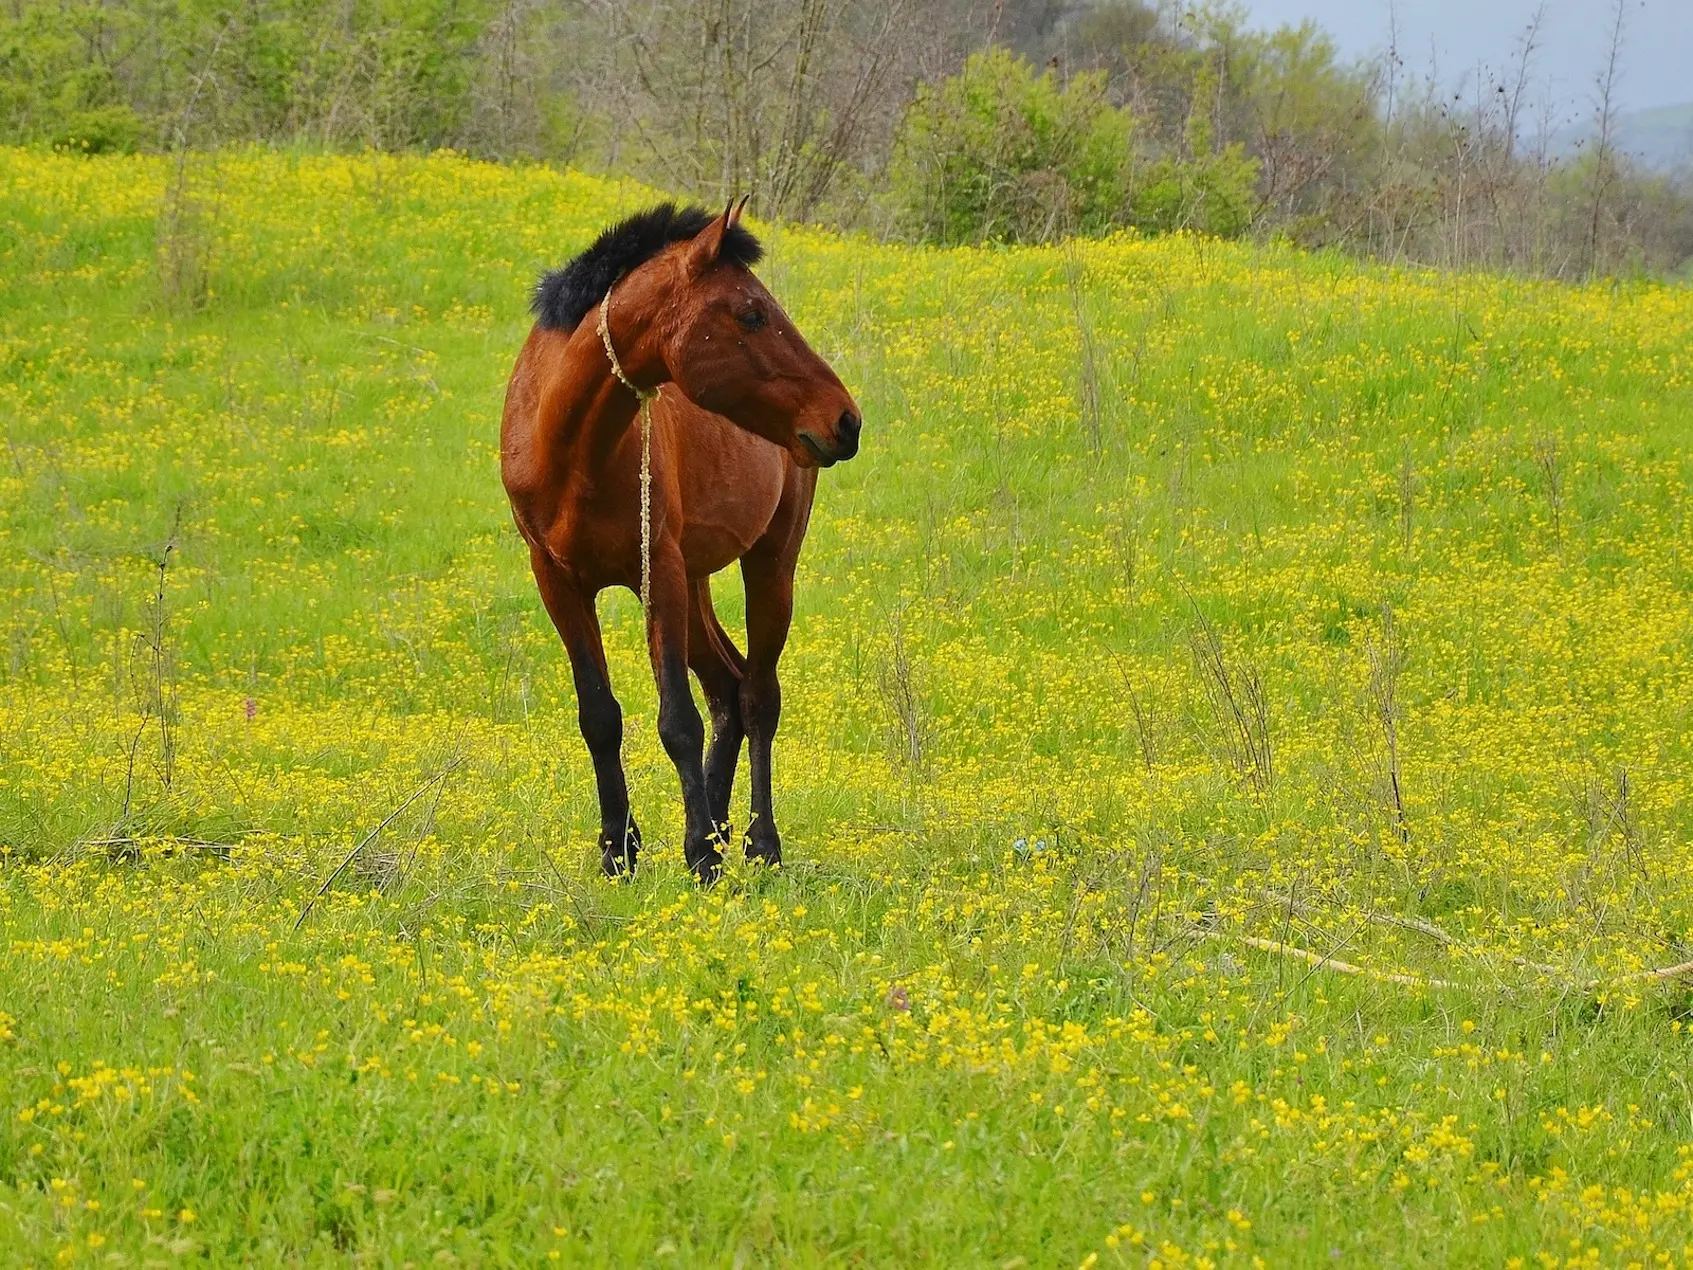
pixel 563 297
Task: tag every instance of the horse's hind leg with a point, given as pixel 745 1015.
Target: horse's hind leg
pixel 600 716
pixel 718 665
pixel 769 577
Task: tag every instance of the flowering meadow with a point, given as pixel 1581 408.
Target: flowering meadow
pixel 1235 781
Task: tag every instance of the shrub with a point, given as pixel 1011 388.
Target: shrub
pixel 1000 152
pixel 1206 189
pixel 112 128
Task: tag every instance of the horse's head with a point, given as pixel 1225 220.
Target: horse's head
pixel 731 349
pixel 704 322
pixel 679 299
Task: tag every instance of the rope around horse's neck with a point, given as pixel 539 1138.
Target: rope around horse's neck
pixel 645 395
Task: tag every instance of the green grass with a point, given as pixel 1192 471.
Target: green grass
pixel 1002 1005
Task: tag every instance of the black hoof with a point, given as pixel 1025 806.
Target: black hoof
pixel 619 849
pixel 765 848
pixel 707 866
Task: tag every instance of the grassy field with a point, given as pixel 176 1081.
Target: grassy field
pixel 1235 771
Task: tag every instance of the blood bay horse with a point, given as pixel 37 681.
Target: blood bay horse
pixel 745 414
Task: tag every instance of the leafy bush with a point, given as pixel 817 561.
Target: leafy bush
pixel 133 73
pixel 1207 189
pixel 113 128
pixel 51 92
pixel 999 152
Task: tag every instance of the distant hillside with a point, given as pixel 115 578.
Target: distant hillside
pixel 1661 138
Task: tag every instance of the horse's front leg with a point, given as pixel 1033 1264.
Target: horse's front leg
pixel 680 729
pixel 597 711
pixel 769 579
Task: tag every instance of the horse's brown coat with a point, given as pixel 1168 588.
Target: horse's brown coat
pixel 745 415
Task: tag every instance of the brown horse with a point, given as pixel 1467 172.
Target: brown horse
pixel 745 415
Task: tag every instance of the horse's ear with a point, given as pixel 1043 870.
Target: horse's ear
pixel 708 243
pixel 735 214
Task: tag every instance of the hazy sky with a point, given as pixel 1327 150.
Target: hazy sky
pixel 1455 35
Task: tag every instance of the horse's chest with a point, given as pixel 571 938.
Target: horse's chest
pixel 715 502
pixel 728 505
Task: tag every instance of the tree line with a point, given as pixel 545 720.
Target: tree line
pixel 946 121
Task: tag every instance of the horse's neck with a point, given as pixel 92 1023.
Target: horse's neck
pixel 595 408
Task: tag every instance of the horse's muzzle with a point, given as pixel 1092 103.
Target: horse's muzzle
pixel 847 428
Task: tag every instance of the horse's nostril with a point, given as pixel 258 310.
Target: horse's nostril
pixel 847 428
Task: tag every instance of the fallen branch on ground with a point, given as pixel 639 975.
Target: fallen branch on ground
pixel 1320 962
pixel 371 837
pixel 1345 967
pixel 1417 924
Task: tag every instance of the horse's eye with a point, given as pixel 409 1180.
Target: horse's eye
pixel 751 319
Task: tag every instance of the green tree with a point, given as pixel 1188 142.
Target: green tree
pixel 1203 187
pixel 1000 152
pixel 397 74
